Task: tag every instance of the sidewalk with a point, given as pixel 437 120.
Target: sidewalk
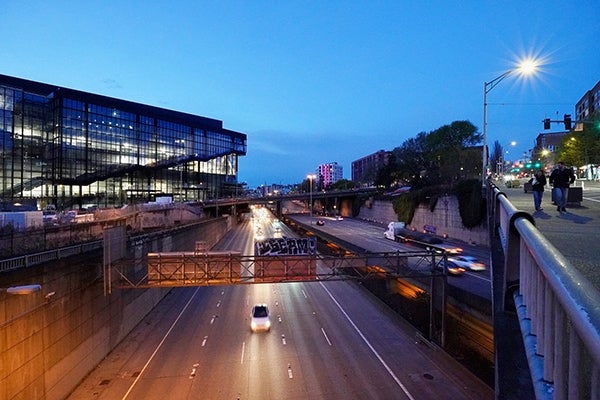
pixel 576 234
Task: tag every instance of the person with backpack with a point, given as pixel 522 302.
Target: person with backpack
pixel 560 179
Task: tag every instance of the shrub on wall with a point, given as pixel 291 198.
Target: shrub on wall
pixel 357 202
pixel 468 193
pixel 471 204
pixel 405 206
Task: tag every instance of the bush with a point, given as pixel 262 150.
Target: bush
pixel 471 203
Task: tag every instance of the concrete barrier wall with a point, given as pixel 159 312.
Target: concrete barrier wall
pixel 50 340
pixel 445 218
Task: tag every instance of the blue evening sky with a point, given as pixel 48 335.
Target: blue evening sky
pixel 312 82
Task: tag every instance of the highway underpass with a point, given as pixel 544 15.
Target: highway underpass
pixel 329 340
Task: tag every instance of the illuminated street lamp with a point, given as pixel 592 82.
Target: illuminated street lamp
pixel 503 159
pixel 524 68
pixel 21 290
pixel 311 177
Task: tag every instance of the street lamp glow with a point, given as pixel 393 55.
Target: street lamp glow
pixel 525 67
pixel 24 289
pixel 528 66
pixel 503 160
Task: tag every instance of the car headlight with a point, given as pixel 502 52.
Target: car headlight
pixel 268 324
pixel 253 325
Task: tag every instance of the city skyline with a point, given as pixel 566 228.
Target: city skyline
pixel 317 83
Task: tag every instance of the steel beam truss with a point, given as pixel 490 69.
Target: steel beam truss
pixel 178 269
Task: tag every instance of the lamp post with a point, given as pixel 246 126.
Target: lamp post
pixel 503 159
pixel 525 67
pixel 310 177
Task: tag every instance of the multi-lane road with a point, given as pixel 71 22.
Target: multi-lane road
pixel 328 340
pixel 370 237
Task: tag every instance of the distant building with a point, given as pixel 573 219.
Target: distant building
pixel 328 174
pixel 546 145
pixel 588 104
pixel 364 170
pixel 70 148
pixel 549 141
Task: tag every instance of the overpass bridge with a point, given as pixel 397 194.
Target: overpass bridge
pixel 337 201
pixel 540 298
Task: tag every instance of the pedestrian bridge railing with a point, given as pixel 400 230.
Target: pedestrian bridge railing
pixel 557 307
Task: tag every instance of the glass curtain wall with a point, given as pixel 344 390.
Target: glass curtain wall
pixel 74 153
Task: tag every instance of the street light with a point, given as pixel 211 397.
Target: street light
pixel 24 289
pixel 503 159
pixel 310 177
pixel 524 68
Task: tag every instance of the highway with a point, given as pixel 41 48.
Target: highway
pixel 370 237
pixel 329 340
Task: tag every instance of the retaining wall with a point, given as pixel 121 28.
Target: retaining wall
pixel 51 339
pixel 445 219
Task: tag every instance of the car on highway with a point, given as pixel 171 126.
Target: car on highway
pixel 467 262
pixel 450 267
pixel 320 222
pixel 260 320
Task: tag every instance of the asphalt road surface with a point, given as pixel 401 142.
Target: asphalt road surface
pixel 329 340
pixel 370 237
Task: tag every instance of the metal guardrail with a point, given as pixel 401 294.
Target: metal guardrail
pixel 50 255
pixel 557 307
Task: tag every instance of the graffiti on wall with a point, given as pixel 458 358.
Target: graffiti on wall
pixel 285 246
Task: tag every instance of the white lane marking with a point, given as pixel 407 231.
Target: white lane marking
pixel 243 350
pixel 194 368
pixel 304 293
pixel 219 303
pixel 326 337
pixel 290 371
pixel 475 275
pixel 398 382
pixel 212 320
pixel 283 340
pixel 160 344
pixel 204 341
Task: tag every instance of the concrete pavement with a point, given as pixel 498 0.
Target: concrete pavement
pixel 576 233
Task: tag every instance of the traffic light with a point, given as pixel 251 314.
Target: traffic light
pixel 546 123
pixel 567 120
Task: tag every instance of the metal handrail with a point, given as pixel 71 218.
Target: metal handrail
pixel 45 256
pixel 558 308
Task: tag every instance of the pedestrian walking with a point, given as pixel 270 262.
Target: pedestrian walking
pixel 537 186
pixel 560 179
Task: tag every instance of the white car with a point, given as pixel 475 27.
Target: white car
pixel 259 318
pixel 467 262
pixel 450 268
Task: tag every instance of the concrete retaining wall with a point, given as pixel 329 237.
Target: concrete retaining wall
pixel 50 340
pixel 445 219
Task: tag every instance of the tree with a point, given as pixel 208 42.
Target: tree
pixel 496 157
pixel 444 155
pixel 343 184
pixel 411 160
pixel 447 159
pixel 385 175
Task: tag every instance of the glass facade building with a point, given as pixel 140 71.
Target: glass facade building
pixel 71 148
